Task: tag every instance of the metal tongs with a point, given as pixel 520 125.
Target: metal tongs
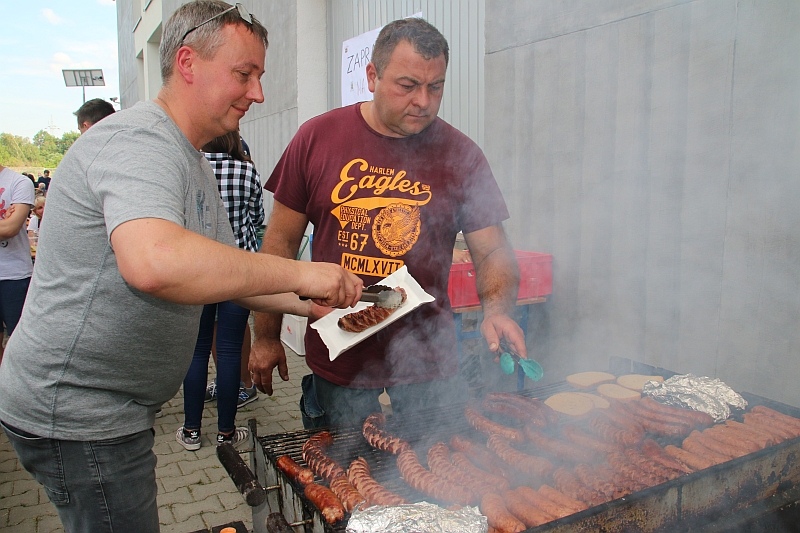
pixel 380 295
pixel 509 357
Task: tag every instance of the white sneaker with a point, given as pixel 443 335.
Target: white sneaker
pixel 239 436
pixel 189 439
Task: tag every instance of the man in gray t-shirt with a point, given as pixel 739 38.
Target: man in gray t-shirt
pixel 136 241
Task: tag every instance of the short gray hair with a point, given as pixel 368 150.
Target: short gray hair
pixel 421 34
pixel 206 39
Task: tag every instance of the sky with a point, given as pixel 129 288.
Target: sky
pixel 39 38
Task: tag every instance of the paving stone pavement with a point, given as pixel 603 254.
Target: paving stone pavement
pixel 194 491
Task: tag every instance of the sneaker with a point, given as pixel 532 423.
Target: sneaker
pixel 211 391
pixel 236 438
pixel 188 438
pixel 246 395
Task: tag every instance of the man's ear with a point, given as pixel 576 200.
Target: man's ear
pixel 372 75
pixel 185 63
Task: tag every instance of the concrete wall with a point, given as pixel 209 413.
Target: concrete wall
pixel 462 24
pixel 126 18
pixel 652 147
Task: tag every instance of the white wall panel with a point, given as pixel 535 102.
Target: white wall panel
pixel 462 24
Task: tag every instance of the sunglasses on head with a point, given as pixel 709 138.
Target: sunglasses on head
pixel 242 13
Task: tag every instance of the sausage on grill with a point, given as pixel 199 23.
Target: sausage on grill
pixel 490 427
pixel 380 439
pixel 440 465
pixel 569 484
pixel 349 496
pixel 589 478
pixel 654 423
pixel 699 418
pixel 481 456
pixel 562 499
pixel 559 449
pixel 540 413
pixel 528 464
pixel 785 430
pixel 620 418
pixel 727 436
pixel 554 509
pixel 460 460
pixel 315 457
pixel 376 494
pixel 721 448
pixel 772 413
pixel 326 501
pixel 420 478
pixel 620 463
pixel 495 511
pixel 605 428
pixel 295 472
pixel 688 458
pixel 648 465
pixel 652 450
pixel 514 411
pixel 749 432
pixel 574 434
pixel 529 514
pixel 692 444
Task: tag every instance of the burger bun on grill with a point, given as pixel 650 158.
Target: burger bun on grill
pixel 612 391
pixel 599 401
pixel 636 381
pixel 573 404
pixel 588 380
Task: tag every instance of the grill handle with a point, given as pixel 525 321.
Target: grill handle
pixel 241 475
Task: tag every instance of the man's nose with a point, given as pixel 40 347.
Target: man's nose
pixel 256 92
pixel 422 97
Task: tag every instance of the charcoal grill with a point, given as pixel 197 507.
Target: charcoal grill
pixel 759 488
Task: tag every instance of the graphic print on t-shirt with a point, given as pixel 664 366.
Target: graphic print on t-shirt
pixel 364 189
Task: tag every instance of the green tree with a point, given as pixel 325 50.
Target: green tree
pixel 66 141
pixel 45 150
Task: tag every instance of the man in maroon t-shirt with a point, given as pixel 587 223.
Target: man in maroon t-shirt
pixel 386 184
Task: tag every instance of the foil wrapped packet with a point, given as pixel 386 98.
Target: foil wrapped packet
pixel 700 393
pixel 420 517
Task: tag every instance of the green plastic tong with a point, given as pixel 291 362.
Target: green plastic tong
pixel 510 357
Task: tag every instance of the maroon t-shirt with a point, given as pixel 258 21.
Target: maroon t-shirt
pixel 378 203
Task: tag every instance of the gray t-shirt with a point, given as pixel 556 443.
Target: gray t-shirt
pixel 92 357
pixel 15 252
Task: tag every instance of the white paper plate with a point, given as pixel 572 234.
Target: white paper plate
pixel 337 340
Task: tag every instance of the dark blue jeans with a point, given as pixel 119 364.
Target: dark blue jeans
pixel 326 404
pixel 100 486
pixel 12 298
pixel 231 322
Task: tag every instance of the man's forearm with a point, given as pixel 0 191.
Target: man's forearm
pixel 268 326
pixel 497 280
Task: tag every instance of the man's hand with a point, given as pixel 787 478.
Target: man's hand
pixel 264 357
pixel 498 327
pixel 461 256
pixel 329 285
pixel 317 311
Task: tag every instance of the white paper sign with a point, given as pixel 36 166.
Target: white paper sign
pixel 356 53
pixel 338 340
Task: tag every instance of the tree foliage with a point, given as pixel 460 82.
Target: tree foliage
pixel 45 150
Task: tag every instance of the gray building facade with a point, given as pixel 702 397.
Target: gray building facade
pixel 650 145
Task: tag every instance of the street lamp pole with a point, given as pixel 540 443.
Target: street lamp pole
pixel 83 78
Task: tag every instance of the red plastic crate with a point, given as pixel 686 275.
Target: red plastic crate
pixel 535 279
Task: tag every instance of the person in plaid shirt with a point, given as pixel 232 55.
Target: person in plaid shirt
pixel 240 189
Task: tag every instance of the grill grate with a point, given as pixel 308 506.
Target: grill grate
pixel 427 427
